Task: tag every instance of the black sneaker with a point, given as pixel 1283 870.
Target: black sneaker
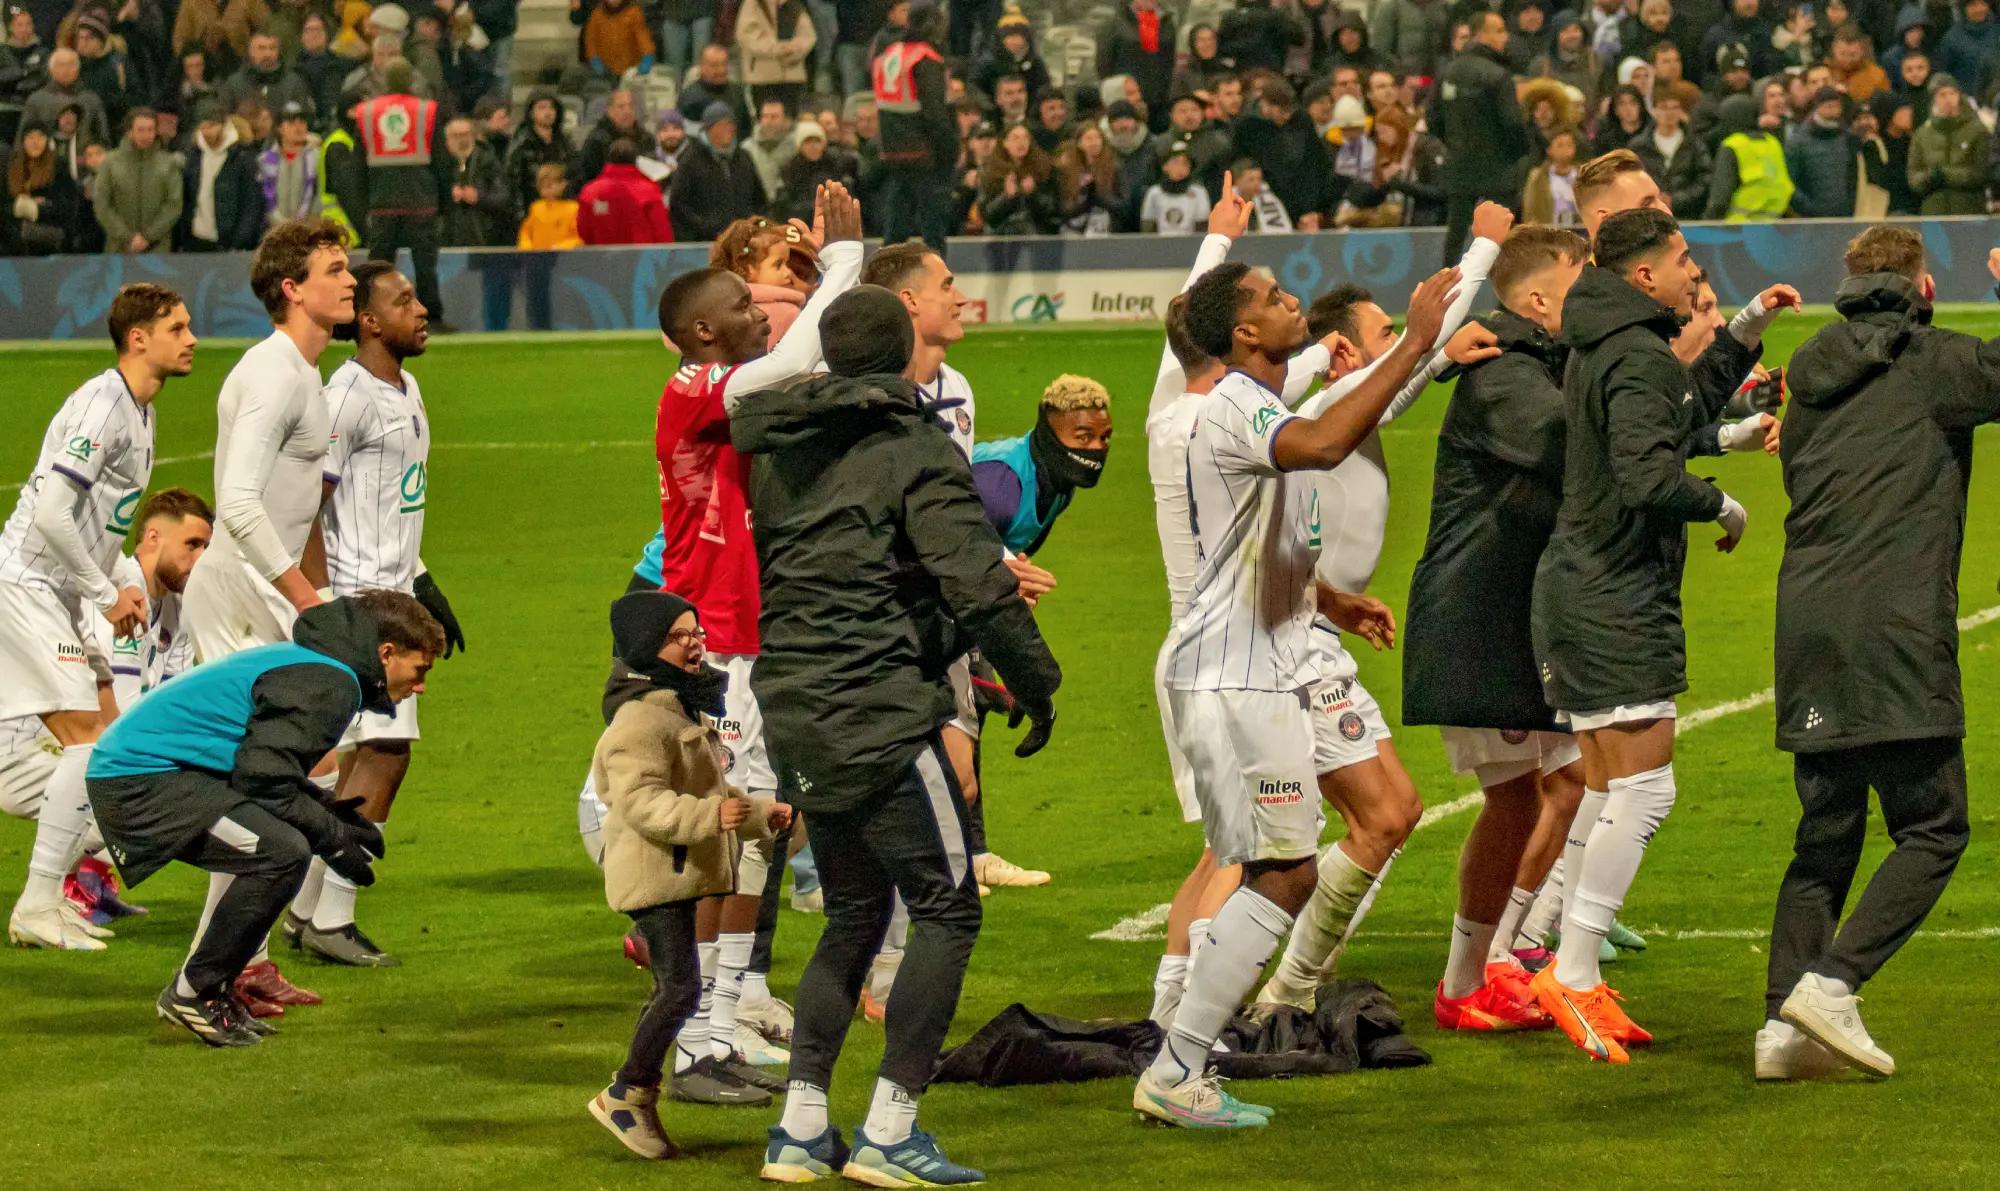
pixel 346 945
pixel 240 1013
pixel 210 1019
pixel 709 1082
pixel 293 927
pixel 750 1073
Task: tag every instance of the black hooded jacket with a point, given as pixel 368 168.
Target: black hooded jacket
pixel 530 153
pixel 1607 603
pixel 1877 455
pixel 878 571
pixel 296 714
pixel 1468 655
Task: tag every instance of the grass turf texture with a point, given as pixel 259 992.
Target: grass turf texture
pixel 470 1066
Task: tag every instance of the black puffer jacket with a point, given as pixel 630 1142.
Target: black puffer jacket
pixel 1877 455
pixel 1478 117
pixel 878 570
pixel 1607 605
pixel 1468 655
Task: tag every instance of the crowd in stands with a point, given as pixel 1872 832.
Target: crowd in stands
pixel 148 125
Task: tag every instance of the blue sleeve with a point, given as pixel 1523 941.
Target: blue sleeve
pixel 999 493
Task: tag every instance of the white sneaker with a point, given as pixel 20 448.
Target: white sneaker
pixel 809 903
pixel 990 868
pixel 74 919
pixel 47 927
pixel 757 1050
pixel 1834 1020
pixel 770 1019
pixel 1196 1104
pixel 1795 1055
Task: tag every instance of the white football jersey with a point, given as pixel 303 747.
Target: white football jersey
pixel 1248 621
pixel 951 385
pixel 271 437
pixel 1167 433
pixel 378 459
pixel 100 441
pixel 157 653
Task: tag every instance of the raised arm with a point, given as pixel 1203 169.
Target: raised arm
pixel 798 353
pixel 1227 219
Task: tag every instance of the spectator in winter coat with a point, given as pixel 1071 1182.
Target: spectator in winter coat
pixel 98 70
pixel 1205 64
pixel 1854 70
pixel 716 182
pixel 811 167
pixel 776 39
pixel 41 197
pixel 619 122
pixel 218 27
pixel 1012 52
pixel 1743 26
pixel 1295 160
pixel 773 145
pixel 1571 62
pixel 1139 41
pixel 711 85
pixel 1017 194
pixel 538 142
pixel 265 79
pixel 1949 155
pixel 288 169
pixel 615 39
pixel 24 60
pixel 1176 205
pixel 1912 37
pixel 1751 180
pixel 1676 158
pixel 1414 33
pixel 222 200
pixel 1208 147
pixel 1966 53
pixel 1092 199
pixel 621 206
pixel 477 210
pixel 1821 155
pixel 1351 47
pixel 1913 75
pixel 137 192
pixel 46 104
pixel 1550 194
pixel 319 68
pixel 1258 36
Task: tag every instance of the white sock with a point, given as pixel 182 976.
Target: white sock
pixel 1246 931
pixel 336 903
pixel 1197 939
pixel 692 1042
pixel 805 1111
pixel 1168 981
pixel 305 903
pixel 1336 899
pixel 1633 811
pixel 1367 904
pixel 1545 913
pixel 892 1114
pixel 1465 970
pixel 59 829
pixel 1510 921
pixel 756 987
pixel 181 986
pixel 732 955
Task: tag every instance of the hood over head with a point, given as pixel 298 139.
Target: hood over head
pixel 1881 310
pixel 344 631
pixel 1736 114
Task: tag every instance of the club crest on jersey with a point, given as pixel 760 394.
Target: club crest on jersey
pixel 416 478
pixel 1513 735
pixel 67 652
pixel 964 421
pixel 81 447
pixel 1351 727
pixel 1278 793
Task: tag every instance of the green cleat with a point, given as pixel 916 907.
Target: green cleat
pixel 1625 938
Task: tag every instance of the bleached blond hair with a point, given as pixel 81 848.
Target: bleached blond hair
pixel 1068 393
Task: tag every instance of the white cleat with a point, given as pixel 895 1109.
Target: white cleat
pixel 989 868
pixel 757 1050
pixel 47 928
pixel 770 1019
pixel 1794 1055
pixel 811 902
pixel 74 919
pixel 1834 1020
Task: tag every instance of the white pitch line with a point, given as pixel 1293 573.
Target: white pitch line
pixel 1146 925
pixel 574 445
pixel 1747 935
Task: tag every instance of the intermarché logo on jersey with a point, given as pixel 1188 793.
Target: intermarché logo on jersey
pixel 1279 793
pixel 415 480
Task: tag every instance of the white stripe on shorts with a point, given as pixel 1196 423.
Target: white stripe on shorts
pixel 944 807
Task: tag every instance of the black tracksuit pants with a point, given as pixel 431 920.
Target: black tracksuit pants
pixel 267 856
pixel 419 234
pixel 909 840
pixel 676 963
pixel 1921 784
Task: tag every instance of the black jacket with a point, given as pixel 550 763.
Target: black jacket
pixel 878 570
pixel 298 712
pixel 1607 605
pixel 1877 455
pixel 1684 178
pixel 1478 118
pixel 1468 654
pixel 1120 51
pixel 711 190
pixel 487 223
pixel 529 153
pixel 239 199
pixel 1258 36
pixel 597 144
pixel 1298 166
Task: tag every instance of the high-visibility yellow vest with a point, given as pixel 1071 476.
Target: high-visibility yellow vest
pixel 329 203
pixel 1763 184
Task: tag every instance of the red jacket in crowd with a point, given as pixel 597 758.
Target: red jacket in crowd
pixel 622 207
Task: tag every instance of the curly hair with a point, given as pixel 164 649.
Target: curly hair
pixel 743 243
pixel 1069 392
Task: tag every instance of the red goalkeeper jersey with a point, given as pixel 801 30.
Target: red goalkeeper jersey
pixel 710 558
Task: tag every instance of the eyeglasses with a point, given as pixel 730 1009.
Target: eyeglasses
pixel 687 636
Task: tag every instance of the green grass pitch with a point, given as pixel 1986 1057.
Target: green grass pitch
pixel 470 1066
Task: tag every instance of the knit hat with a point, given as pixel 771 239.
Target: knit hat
pixel 1732 55
pixel 672 118
pixel 1630 67
pixel 293 110
pixel 210 110
pixel 1349 113
pixel 809 130
pixel 866 332
pixel 93 21
pixel 1121 110
pixel 1011 21
pixel 392 18
pixel 1178 149
pixel 640 622
pixel 714 114
pixel 1828 94
pixel 1940 81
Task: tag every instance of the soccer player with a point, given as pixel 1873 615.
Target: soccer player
pixel 1877 456
pixel 271 441
pixel 1243 657
pixel 1360 773
pixel 213 770
pixel 1026 482
pixel 56 556
pixel 1606 607
pixel 1468 660
pixel 375 482
pixel 709 557
pixel 879 569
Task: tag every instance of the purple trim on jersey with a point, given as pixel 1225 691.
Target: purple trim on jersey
pixel 80 481
pixel 128 671
pixel 1271 443
pixel 999 493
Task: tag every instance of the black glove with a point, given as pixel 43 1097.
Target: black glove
pixel 350 858
pixel 364 832
pixel 426 590
pixel 1041 722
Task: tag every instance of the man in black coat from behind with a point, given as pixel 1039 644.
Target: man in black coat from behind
pixel 878 570
pixel 1877 454
pixel 1478 118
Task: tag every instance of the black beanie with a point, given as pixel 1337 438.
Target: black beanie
pixel 867 332
pixel 640 621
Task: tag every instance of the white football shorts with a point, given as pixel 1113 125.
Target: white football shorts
pixel 1251 754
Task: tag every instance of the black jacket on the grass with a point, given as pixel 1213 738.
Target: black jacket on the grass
pixel 1877 455
pixel 878 571
pixel 1607 604
pixel 1468 655
pixel 296 714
